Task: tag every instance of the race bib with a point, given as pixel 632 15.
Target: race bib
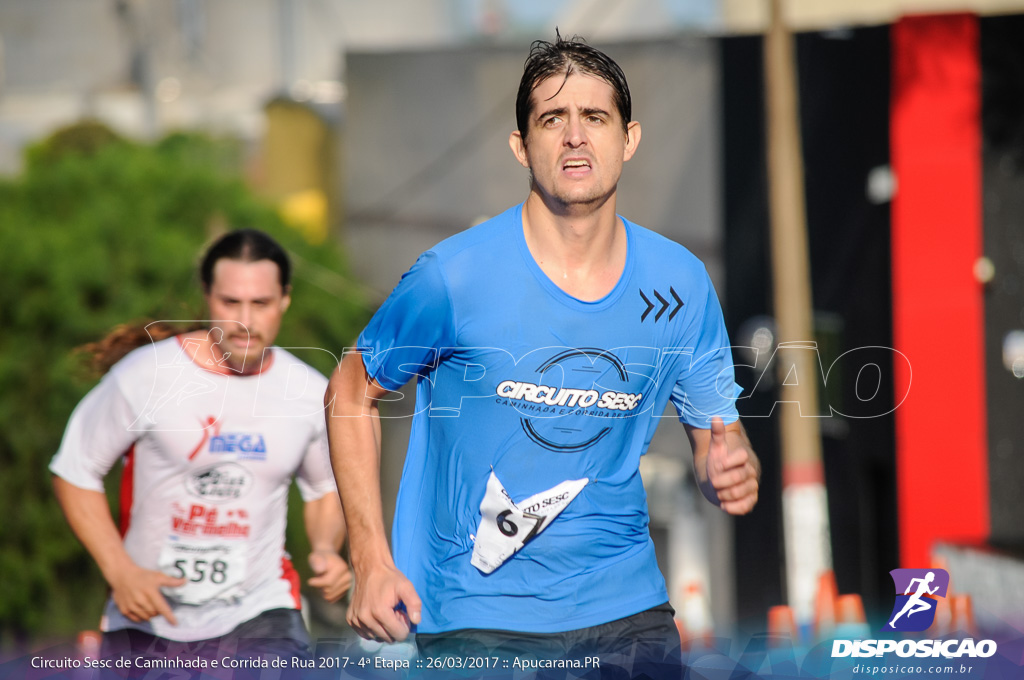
pixel 506 526
pixel 212 571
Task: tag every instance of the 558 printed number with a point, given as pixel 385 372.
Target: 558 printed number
pixel 215 571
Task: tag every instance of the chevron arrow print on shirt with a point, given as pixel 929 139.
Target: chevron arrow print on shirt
pixel 664 305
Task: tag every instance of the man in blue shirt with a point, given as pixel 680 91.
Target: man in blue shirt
pixel 546 344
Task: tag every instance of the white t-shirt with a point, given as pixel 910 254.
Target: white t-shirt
pixel 209 459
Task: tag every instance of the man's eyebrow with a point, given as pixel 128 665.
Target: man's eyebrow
pixel 561 111
pixel 231 298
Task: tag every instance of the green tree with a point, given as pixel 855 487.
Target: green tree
pixel 99 231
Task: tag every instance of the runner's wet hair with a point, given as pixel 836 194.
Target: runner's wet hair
pixel 567 56
pixel 246 245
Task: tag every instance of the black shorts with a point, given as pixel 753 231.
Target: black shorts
pixel 273 634
pixel 644 644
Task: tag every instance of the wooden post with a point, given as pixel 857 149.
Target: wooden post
pixel 804 501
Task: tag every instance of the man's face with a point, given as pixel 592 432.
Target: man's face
pixel 575 144
pixel 246 302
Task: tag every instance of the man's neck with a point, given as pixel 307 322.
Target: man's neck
pixel 582 249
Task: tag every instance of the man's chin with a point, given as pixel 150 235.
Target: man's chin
pixel 245 359
pixel 580 199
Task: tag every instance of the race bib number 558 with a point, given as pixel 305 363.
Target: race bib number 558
pixel 211 571
pixel 506 526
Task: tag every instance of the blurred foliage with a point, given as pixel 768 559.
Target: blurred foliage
pixel 85 138
pixel 98 231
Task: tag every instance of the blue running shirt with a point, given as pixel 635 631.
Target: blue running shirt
pixel 543 404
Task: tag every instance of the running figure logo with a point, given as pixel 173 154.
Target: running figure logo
pixel 914 610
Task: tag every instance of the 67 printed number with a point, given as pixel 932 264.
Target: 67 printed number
pixel 510 529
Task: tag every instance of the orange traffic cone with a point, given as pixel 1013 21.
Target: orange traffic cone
pixel 851 621
pixel 940 563
pixel 943 623
pixel 850 609
pixel 782 626
pixel 88 643
pixel 825 606
pixel 694 616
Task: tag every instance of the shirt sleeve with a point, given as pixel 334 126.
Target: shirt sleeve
pixel 99 432
pixel 315 477
pixel 706 386
pixel 413 329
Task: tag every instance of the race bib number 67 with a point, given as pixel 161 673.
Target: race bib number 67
pixel 506 526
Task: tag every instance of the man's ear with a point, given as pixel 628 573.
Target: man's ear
pixel 632 140
pixel 518 146
pixel 286 301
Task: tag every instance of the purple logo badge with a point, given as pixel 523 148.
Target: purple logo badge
pixel 916 593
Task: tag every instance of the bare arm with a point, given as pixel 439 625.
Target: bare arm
pixel 325 526
pixel 353 430
pixel 136 591
pixel 727 469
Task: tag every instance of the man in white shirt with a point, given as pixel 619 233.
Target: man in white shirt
pixel 212 425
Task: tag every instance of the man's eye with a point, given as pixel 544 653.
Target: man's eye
pixel 552 121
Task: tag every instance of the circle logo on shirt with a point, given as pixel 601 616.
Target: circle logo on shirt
pixel 590 383
pixel 220 483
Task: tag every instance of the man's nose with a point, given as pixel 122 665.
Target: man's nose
pixel 245 315
pixel 575 135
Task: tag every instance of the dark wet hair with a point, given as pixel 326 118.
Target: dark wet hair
pixel 568 56
pixel 247 245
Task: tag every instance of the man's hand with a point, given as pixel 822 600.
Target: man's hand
pixel 384 606
pixel 732 469
pixel 332 575
pixel 136 592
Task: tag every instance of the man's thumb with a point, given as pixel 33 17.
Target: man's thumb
pixel 412 602
pixel 717 428
pixel 316 563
